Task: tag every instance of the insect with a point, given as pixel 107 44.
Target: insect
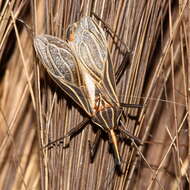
pixel 82 67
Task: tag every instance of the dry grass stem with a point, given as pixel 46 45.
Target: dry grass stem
pixel 34 111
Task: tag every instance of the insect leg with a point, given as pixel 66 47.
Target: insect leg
pixel 131 105
pixel 122 67
pixel 93 146
pixel 125 132
pixel 70 133
pixel 110 31
pixel 113 142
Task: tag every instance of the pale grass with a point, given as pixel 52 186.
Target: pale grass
pixel 34 111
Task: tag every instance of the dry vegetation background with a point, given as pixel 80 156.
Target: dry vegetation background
pixel 34 111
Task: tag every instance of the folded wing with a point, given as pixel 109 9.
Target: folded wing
pixel 61 63
pixel 81 66
pixel 89 43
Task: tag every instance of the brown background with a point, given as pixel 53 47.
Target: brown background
pixel 34 111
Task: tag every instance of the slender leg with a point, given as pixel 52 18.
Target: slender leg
pixel 131 105
pixel 93 146
pixel 132 117
pixel 122 67
pixel 125 132
pixel 70 133
pixel 110 31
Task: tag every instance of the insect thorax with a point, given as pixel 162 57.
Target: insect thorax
pixel 108 118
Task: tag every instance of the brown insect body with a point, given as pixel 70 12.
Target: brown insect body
pixel 82 67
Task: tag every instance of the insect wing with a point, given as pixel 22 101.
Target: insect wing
pixel 60 62
pixel 82 66
pixel 89 43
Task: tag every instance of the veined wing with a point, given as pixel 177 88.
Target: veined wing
pixel 89 43
pixel 62 65
pixel 81 66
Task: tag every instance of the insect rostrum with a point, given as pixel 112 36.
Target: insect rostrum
pixel 82 67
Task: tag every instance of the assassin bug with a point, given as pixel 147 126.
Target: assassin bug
pixel 82 67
